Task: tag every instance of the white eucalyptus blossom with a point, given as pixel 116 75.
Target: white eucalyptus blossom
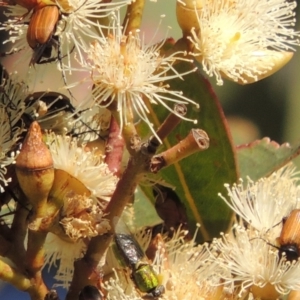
pixel 62 254
pixel 15 28
pixel 11 126
pixel 81 218
pixel 87 166
pixel 255 265
pixel 79 22
pixel 184 269
pixel 130 75
pixel 263 204
pixel 244 40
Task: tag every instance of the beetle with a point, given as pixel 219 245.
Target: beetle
pixel 132 255
pixel 56 112
pixel 289 238
pixel 40 36
pixel 40 32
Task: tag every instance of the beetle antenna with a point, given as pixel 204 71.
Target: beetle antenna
pixel 276 247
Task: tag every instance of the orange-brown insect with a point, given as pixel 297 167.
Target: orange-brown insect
pixel 40 32
pixel 28 4
pixel 289 239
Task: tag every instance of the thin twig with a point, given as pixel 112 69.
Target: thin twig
pixel 114 148
pixel 197 140
pixel 133 18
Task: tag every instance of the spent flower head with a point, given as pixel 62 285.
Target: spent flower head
pixel 129 75
pixel 244 40
pixel 82 217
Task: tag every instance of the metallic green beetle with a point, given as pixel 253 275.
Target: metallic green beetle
pixel 143 274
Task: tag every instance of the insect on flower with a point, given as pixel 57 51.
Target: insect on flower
pixel 43 19
pixel 142 272
pixel 54 111
pixel 289 238
pixel 47 25
pixel 40 32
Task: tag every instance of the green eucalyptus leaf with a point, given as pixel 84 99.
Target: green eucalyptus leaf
pixel 199 178
pixel 262 157
pixel 145 214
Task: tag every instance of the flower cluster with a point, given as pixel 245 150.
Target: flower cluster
pixel 128 75
pixel 254 251
pixel 61 171
pixel 67 27
pixel 185 270
pixel 245 263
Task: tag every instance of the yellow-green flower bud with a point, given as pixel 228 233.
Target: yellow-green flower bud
pixel 186 14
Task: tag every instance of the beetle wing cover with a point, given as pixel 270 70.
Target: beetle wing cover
pixel 290 233
pixel 129 248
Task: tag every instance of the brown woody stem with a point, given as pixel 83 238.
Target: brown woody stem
pixel 171 121
pixel 35 262
pixel 5 231
pixel 197 140
pixel 18 233
pixel 84 269
pixel 167 127
pixel 35 251
pixel 133 18
pixel 4 246
pixel 114 148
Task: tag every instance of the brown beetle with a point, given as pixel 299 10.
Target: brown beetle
pixel 40 32
pixel 42 25
pixel 289 239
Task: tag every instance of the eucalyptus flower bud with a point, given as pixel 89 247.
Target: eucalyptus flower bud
pixel 186 14
pixel 34 169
